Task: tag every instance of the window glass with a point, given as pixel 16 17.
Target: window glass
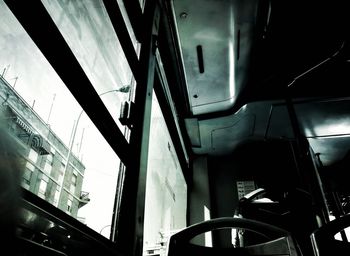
pixel 74 179
pixel 30 166
pixel 47 168
pixel 72 189
pixel 128 25
pixel 33 156
pixel 56 197
pixel 42 188
pixel 166 189
pixel 27 175
pixel 49 159
pixel 87 29
pixel 69 205
pixel 41 114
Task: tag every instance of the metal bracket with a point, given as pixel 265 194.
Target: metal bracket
pixel 126 113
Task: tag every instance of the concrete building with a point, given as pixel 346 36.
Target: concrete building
pixel 44 155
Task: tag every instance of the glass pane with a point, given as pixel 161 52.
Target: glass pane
pixel 87 29
pixel 47 126
pixel 166 189
pixel 128 25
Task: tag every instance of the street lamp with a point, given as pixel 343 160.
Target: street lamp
pixel 104 228
pixel 123 89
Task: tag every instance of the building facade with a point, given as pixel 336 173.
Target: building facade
pixel 46 170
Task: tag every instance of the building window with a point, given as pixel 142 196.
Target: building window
pixel 56 197
pixel 47 168
pixel 27 175
pixel 166 189
pixel 74 179
pixel 74 183
pixel 61 173
pixel 60 179
pixel 42 188
pixel 49 159
pixel 33 155
pixel 28 172
pixel 69 206
pixel 30 166
pixel 69 203
pixel 72 188
pixel 62 166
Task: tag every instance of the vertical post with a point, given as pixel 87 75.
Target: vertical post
pixel 129 236
pixel 53 100
pixel 306 163
pixel 336 203
pixel 338 212
pixel 74 131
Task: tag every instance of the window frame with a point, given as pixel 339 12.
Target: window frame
pixel 147 73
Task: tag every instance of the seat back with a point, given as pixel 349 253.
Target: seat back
pixel 324 242
pixel 293 212
pixel 279 241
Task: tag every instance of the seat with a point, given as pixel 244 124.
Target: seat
pixel 324 242
pixel 290 210
pixel 279 241
pixel 31 248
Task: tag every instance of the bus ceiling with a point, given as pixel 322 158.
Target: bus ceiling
pixel 214 62
pixel 234 52
pixel 241 60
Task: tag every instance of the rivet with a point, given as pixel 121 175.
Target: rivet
pixel 183 15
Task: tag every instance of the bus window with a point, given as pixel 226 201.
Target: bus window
pixel 86 27
pixel 68 162
pixel 166 189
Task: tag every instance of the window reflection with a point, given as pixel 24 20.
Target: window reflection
pixel 87 29
pixel 166 201
pixel 128 24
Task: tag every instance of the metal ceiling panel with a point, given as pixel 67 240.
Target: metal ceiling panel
pixel 207 30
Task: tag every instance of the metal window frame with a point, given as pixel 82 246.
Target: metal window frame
pixel 129 225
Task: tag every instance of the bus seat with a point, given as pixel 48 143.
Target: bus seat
pixel 31 248
pixel 291 211
pixel 279 241
pixel 324 242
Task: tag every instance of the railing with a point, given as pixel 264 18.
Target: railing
pixel 84 198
